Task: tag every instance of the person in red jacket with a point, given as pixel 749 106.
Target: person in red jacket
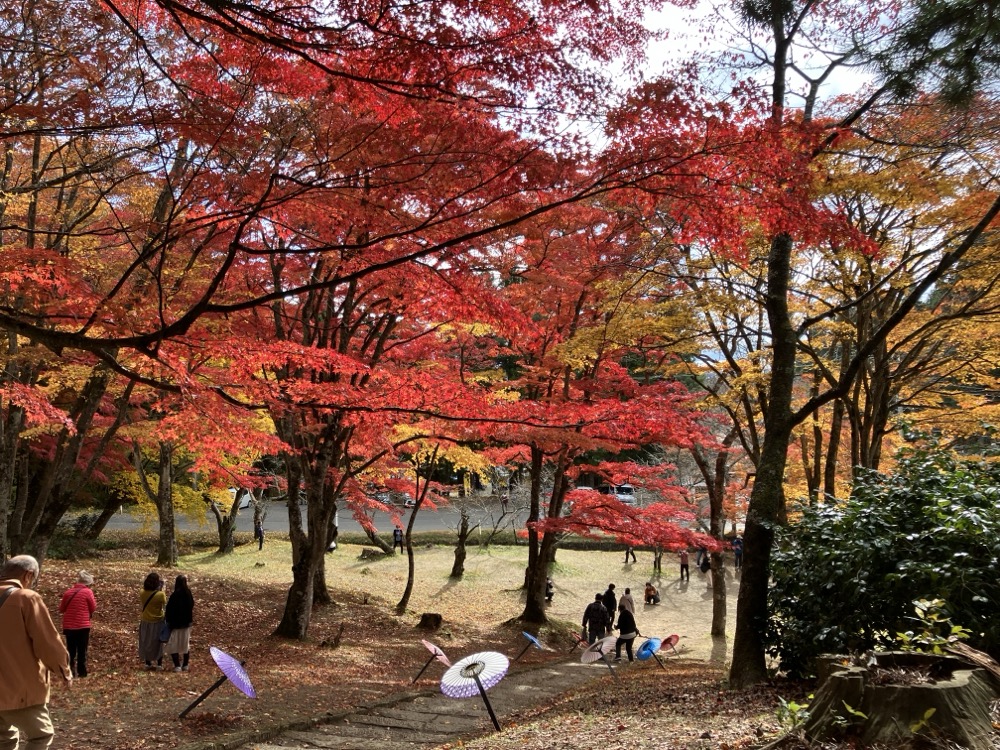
pixel 30 650
pixel 77 606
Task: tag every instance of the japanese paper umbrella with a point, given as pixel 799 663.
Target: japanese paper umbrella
pixel 649 649
pixel 598 651
pixel 436 653
pixel 532 641
pixel 476 673
pixel 232 670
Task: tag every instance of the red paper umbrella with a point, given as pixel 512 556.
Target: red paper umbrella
pixel 671 643
pixel 436 653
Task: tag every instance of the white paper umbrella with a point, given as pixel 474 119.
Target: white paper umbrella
pixel 476 673
pixel 598 651
pixel 436 653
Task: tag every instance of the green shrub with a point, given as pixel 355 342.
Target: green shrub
pixel 845 577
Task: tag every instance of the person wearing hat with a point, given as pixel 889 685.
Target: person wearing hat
pixel 77 606
pixel 30 650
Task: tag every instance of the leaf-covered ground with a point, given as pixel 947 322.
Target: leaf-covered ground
pixel 240 598
pixel 685 706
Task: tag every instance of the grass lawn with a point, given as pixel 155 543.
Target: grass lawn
pixel 239 599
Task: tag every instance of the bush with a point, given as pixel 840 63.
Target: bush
pixel 845 577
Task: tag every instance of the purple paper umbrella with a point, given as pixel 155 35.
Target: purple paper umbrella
pixel 436 653
pixel 648 650
pixel 598 651
pixel 476 673
pixel 232 670
pixel 532 641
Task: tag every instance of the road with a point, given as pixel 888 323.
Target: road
pixel 443 519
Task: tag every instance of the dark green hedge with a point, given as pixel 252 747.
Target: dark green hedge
pixel 845 577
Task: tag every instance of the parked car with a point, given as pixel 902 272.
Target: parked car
pixel 245 498
pixel 623 493
pixel 408 501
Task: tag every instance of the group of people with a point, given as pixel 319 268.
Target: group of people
pixel 598 620
pixel 31 649
pixel 165 624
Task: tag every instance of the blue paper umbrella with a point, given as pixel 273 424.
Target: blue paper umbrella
pixel 532 641
pixel 233 669
pixel 649 649
pixel 476 673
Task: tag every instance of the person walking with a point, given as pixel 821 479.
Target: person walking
pixel 596 620
pixel 685 567
pixel 738 552
pixel 610 602
pixel 30 650
pixel 154 603
pixel 652 596
pixel 629 551
pixel 258 533
pixel 180 618
pixel 550 590
pixel 627 631
pixel 77 606
pixel 397 539
pixel 627 602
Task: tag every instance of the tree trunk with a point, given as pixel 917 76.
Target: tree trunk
pixel 458 567
pixel 11 425
pixel 378 541
pixel 767 499
pixel 404 600
pixel 111 504
pixel 298 604
pixel 167 545
pixel 225 523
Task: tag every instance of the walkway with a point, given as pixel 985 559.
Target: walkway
pixel 431 719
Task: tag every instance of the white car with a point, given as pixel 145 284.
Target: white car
pixel 245 499
pixel 623 493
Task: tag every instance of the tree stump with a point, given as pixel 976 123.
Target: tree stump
pixel 368 553
pixel 430 621
pixel 852 699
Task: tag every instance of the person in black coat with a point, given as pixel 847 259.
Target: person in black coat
pixel 596 620
pixel 180 619
pixel 627 631
pixel 610 601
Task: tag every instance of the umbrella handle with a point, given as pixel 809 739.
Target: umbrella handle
pixel 424 668
pixel 660 662
pixel 203 696
pixel 523 651
pixel 486 700
pixel 604 658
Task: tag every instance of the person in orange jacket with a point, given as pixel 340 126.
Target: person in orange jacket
pixel 30 649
